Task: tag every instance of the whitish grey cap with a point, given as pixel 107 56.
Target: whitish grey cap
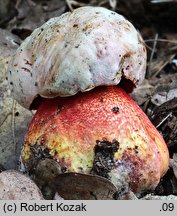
pixel 92 46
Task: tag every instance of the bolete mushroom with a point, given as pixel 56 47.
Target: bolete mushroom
pixel 103 131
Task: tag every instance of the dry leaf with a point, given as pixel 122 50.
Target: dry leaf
pixel 13 118
pixel 75 186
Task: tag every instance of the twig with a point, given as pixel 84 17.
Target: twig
pixel 163 120
pixel 162 40
pixel 13 129
pixel 70 4
pixel 148 47
pixel 4 119
pixel 101 3
pixel 145 106
pixel 164 63
pixel 152 54
pixel 163 1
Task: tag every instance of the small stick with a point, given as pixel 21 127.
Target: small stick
pixel 152 53
pixel 163 1
pixel 13 128
pixel 164 119
pixel 4 119
pixel 162 40
pixel 75 3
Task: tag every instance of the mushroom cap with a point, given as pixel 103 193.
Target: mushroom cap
pixel 92 46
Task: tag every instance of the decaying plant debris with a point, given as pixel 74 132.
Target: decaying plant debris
pixel 157 95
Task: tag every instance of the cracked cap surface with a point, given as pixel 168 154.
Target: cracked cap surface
pixel 92 46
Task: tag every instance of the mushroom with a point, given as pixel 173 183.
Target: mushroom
pixel 76 69
pixel 16 186
pixel 77 51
